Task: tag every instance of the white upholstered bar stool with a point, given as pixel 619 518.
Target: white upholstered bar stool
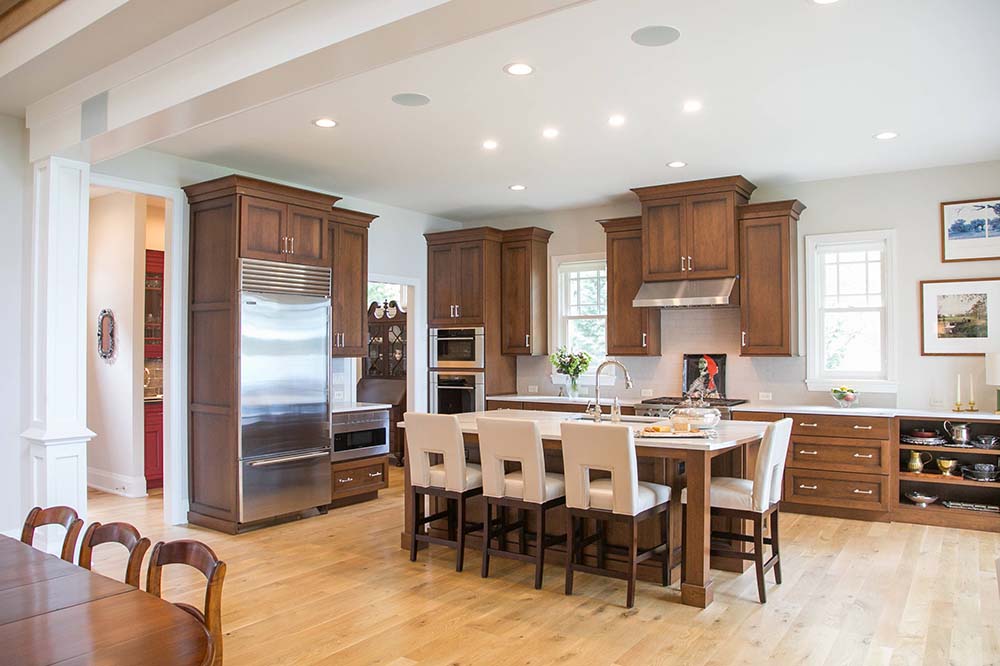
pixel 454 479
pixel 622 497
pixel 529 489
pixel 754 500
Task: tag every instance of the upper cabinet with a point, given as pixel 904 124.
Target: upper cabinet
pixel 524 291
pixel 689 230
pixel 768 278
pixel 347 237
pixel 631 331
pixel 463 271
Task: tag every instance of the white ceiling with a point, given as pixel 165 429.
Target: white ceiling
pixel 792 91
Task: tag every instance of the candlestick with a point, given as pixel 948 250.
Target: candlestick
pixel 958 391
pixel 972 391
pixel 957 407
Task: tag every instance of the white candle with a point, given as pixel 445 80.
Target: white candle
pixel 958 390
pixel 972 390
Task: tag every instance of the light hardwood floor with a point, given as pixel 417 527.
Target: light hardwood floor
pixel 337 589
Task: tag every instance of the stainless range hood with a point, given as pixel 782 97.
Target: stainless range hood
pixel 685 293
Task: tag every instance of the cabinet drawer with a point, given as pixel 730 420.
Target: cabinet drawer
pixel 504 404
pixel 837 489
pixel 865 427
pixel 846 455
pixel 360 476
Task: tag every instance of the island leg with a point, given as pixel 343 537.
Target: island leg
pixel 696 582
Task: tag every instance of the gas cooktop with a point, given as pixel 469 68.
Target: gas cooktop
pixel 713 402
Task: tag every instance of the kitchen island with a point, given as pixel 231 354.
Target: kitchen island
pixel 679 463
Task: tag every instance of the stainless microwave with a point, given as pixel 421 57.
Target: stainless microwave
pixel 457 348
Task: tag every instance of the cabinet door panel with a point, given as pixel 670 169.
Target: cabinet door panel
pixel 516 298
pixel 308 242
pixel 442 267
pixel 470 284
pixel 262 229
pixel 711 236
pixel 663 240
pixel 631 330
pixel 153 444
pixel 765 287
pixel 350 290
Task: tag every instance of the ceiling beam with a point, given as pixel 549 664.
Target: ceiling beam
pixel 16 14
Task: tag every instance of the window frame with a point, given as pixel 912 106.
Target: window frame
pixel 816 378
pixel 559 329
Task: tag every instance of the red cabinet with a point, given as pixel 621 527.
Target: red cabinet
pixel 153 312
pixel 153 444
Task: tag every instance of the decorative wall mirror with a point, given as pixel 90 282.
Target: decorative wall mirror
pixel 106 334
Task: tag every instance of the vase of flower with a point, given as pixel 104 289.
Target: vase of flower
pixel 571 364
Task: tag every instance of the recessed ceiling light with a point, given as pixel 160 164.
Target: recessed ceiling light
pixel 325 122
pixel 411 99
pixel 550 132
pixel 517 188
pixel 823 2
pixel 617 120
pixel 677 164
pixel 655 35
pixel 518 69
pixel 692 106
pixel 885 136
pixel 490 144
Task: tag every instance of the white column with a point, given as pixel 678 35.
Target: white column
pixel 57 361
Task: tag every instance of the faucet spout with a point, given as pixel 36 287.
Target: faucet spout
pixel 597 385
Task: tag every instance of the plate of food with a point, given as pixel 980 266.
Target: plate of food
pixel 667 432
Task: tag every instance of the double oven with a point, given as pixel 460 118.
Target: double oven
pixel 457 376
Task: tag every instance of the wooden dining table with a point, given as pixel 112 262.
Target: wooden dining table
pixel 54 612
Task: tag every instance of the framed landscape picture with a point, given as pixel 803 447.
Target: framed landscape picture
pixel 704 376
pixel 959 317
pixel 970 230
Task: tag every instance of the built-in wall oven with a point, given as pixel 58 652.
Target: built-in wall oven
pixel 359 434
pixel 457 392
pixel 457 348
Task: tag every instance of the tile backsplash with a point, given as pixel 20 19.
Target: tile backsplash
pixel 153 377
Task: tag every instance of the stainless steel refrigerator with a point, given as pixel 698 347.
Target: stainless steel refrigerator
pixel 284 389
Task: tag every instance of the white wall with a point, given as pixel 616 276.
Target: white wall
pixel 116 264
pixel 156 212
pixel 905 201
pixel 15 183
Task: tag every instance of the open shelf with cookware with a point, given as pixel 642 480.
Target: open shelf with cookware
pixel 948 472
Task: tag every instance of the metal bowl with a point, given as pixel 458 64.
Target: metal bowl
pixel 920 499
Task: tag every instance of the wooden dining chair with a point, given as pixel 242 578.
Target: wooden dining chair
pixel 201 557
pixel 122 533
pixel 54 515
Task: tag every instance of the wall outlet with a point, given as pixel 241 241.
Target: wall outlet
pixel 763 395
pixel 646 393
pixel 338 395
pixel 532 388
pixel 338 378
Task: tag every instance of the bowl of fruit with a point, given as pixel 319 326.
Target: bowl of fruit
pixel 845 396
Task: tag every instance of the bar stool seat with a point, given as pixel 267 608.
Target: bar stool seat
pixel 648 495
pixel 473 476
pixel 513 485
pixel 729 493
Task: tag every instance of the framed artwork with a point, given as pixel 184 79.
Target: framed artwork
pixel 704 376
pixel 959 317
pixel 970 230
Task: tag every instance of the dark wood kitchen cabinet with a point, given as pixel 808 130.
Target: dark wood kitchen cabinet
pixel 524 291
pixel 348 237
pixel 689 230
pixel 153 443
pixel 278 231
pixel 153 311
pixel 631 331
pixel 463 273
pixel 768 278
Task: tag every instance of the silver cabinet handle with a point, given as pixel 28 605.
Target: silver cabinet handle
pixel 458 310
pixel 643 339
pixel 743 339
pixel 805 487
pixel 809 425
pixel 862 492
pixel 291 242
pixel 284 245
pixel 527 341
pixel 809 453
pixel 863 455
pixel 347 480
pixel 690 264
pixel 857 427
pixel 278 461
pixel 682 264
pixel 374 474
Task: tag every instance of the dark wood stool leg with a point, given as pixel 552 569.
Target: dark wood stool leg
pixel 522 534
pixel 774 547
pixel 487 537
pixel 451 518
pixel 684 528
pixel 460 556
pixel 601 542
pixel 758 555
pixel 540 548
pixel 633 566
pixel 502 537
pixel 415 526
pixel 665 535
pixel 570 551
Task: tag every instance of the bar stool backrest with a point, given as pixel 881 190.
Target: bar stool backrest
pixel 770 468
pixel 588 446
pixel 441 434
pixel 515 440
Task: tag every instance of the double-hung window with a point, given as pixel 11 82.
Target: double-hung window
pixel 850 317
pixel 582 305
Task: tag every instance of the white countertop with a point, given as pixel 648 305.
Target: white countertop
pixel 883 412
pixel 730 433
pixel 344 407
pixel 561 399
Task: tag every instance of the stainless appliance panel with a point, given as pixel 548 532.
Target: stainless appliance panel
pixel 284 373
pixel 359 434
pixel 457 392
pixel 280 485
pixel 458 348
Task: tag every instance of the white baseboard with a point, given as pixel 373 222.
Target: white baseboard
pixel 116 484
pixel 13 534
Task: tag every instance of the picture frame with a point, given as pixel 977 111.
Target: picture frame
pixel 959 317
pixel 970 230
pixel 704 376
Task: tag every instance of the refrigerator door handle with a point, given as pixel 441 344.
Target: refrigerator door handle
pixel 288 459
